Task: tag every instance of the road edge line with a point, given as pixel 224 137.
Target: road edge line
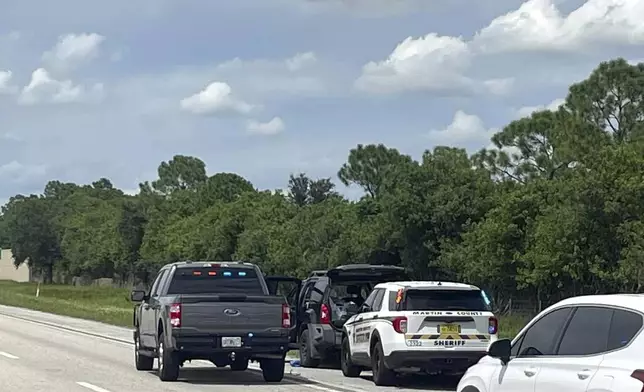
pixel 68 329
pixel 299 378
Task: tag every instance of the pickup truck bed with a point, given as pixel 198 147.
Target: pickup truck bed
pixel 206 322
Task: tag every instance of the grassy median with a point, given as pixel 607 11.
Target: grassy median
pixel 113 306
pixel 105 304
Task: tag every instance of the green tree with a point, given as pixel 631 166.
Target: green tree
pixel 368 166
pixel 180 173
pixel 611 99
pixel 303 191
pixel 32 234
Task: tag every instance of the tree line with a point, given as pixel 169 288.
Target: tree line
pixel 554 209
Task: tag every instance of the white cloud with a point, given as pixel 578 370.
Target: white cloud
pixel 431 62
pixel 18 172
pixel 499 86
pixel 300 60
pixel 217 97
pixel 300 74
pixel 10 136
pixel 443 63
pixel 361 8
pixel 466 130
pixel 5 82
pixel 272 127
pixel 42 88
pixel 553 106
pixel 73 50
pixel 13 35
pixel 538 25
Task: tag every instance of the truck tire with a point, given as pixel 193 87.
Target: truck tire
pixel 382 376
pixel 348 368
pixel 168 363
pixel 142 362
pixel 305 352
pixel 239 366
pixel 273 370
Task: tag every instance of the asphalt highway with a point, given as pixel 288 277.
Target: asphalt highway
pixel 49 353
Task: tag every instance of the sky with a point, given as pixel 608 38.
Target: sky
pixel 266 88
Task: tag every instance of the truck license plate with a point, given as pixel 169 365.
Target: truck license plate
pixel 231 342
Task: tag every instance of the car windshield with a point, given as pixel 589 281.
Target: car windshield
pixel 215 281
pixel 445 300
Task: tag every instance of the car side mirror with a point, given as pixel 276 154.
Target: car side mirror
pixel 500 349
pixel 138 296
pixel 365 308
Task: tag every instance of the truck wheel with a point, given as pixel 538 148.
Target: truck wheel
pixel 168 363
pixel 348 368
pixel 239 366
pixel 273 370
pixel 382 376
pixel 142 362
pixel 305 353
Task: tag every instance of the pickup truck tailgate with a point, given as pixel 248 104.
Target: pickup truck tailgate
pixel 226 313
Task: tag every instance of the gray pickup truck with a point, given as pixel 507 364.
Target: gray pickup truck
pixel 216 311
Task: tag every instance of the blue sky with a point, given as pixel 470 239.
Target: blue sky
pixel 268 88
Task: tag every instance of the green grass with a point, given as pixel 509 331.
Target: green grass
pixel 105 304
pixel 509 326
pixel 113 306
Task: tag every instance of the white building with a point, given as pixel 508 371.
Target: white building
pixel 9 272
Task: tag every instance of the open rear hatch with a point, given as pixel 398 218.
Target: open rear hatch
pixel 449 317
pixel 353 283
pixel 367 272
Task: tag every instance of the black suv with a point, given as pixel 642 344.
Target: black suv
pixel 323 302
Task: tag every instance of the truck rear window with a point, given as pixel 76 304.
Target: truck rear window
pixel 445 300
pixel 215 281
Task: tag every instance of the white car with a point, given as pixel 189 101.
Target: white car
pixel 590 343
pixel 418 326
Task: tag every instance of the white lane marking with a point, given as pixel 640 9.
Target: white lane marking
pixel 91 387
pixel 319 388
pixel 7 355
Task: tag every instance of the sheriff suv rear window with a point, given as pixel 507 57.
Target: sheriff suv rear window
pixel 445 300
pixel 215 280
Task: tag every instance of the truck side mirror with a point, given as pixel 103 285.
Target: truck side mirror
pixel 138 296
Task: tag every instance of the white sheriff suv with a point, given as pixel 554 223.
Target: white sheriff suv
pixel 581 344
pixel 433 327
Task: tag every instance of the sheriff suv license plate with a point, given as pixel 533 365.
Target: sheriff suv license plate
pixel 231 342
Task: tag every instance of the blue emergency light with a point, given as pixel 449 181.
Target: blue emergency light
pixel 227 273
pixel 241 273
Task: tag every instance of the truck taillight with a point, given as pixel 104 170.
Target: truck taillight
pixel 286 316
pixel 175 315
pixel 639 376
pixel 400 324
pixel 493 326
pixel 325 315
